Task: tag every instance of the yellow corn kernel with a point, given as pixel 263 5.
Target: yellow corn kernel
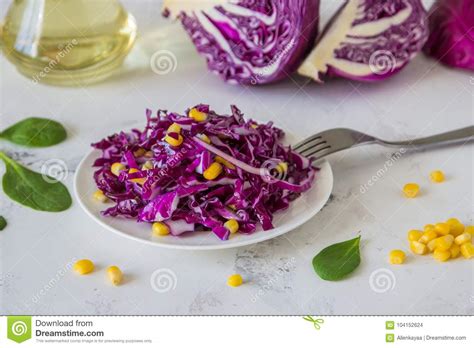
pixel 428 236
pixel 437 176
pixel 99 195
pixel 232 225
pixel 140 152
pixel 463 238
pixel 454 250
pixel 254 125
pixel 396 257
pixel 467 250
pixel 442 255
pixel 115 275
pixel 173 141
pixel 147 165
pixel 429 227
pixel 442 228
pixel 282 167
pixel 139 181
pixel 456 228
pixel 197 115
pixel 116 168
pixel 414 235
pixel 160 229
pixel 431 245
pixel 83 266
pixel 444 243
pixel 469 229
pixel 418 248
pixel 224 162
pixel 411 190
pixel 213 171
pixel 174 128
pixel 235 280
pixel 204 138
pixel 452 221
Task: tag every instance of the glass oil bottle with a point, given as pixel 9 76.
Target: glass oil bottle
pixel 67 42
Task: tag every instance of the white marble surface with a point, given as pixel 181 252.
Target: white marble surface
pixel 37 248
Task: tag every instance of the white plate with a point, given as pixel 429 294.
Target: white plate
pixel 300 211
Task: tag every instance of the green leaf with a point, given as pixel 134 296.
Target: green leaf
pixel 337 260
pixel 3 223
pixel 35 132
pixel 32 190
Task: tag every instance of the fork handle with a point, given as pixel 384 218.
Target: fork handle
pixel 457 135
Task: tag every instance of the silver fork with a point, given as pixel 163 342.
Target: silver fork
pixel 334 140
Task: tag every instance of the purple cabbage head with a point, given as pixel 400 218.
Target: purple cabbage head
pixel 251 42
pixel 368 40
pixel 451 38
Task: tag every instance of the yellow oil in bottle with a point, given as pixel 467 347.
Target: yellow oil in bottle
pixel 67 42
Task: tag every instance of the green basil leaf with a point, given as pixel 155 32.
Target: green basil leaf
pixel 337 260
pixel 35 132
pixel 3 223
pixel 32 190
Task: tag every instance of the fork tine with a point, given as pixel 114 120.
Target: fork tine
pixel 313 151
pixel 306 141
pixel 317 144
pixel 309 146
pixel 322 152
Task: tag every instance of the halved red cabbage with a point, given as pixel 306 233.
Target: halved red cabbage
pixel 451 38
pixel 263 176
pixel 368 40
pixel 248 41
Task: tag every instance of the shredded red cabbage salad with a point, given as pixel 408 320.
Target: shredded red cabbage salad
pixel 197 176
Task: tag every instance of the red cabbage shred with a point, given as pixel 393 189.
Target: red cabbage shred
pixel 173 189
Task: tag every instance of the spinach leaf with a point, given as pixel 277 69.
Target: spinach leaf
pixel 337 260
pixel 31 189
pixel 3 223
pixel 35 132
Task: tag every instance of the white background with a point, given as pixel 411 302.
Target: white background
pixel 37 248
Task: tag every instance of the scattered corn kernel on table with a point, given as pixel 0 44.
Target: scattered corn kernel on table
pixel 38 250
